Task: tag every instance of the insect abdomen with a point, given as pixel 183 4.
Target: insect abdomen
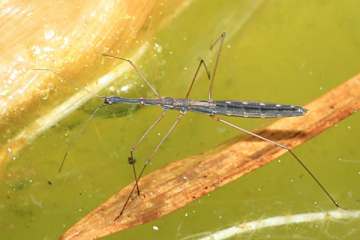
pixel 257 110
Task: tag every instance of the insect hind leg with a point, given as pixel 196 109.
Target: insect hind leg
pixel 311 174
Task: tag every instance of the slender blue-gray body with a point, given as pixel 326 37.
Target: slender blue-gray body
pixel 223 107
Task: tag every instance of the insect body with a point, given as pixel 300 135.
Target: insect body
pixel 228 108
pixel 213 108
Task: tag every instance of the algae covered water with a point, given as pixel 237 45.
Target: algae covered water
pixel 276 51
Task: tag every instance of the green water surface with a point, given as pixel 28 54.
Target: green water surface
pixel 276 51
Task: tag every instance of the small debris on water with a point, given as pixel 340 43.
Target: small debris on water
pixel 157 47
pixel 125 88
pixel 49 34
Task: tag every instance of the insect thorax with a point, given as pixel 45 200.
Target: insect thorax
pixel 175 103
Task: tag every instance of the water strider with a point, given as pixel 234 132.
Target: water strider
pixel 213 108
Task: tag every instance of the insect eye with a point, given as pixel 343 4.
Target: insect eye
pixel 107 100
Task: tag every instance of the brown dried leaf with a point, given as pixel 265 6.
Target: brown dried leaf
pixel 181 182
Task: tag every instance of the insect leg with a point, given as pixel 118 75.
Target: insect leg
pixel 202 63
pixel 219 40
pixel 82 130
pixel 84 126
pixel 156 149
pixel 140 73
pixel 322 187
pixel 131 158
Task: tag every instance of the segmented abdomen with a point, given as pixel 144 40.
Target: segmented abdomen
pixel 247 109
